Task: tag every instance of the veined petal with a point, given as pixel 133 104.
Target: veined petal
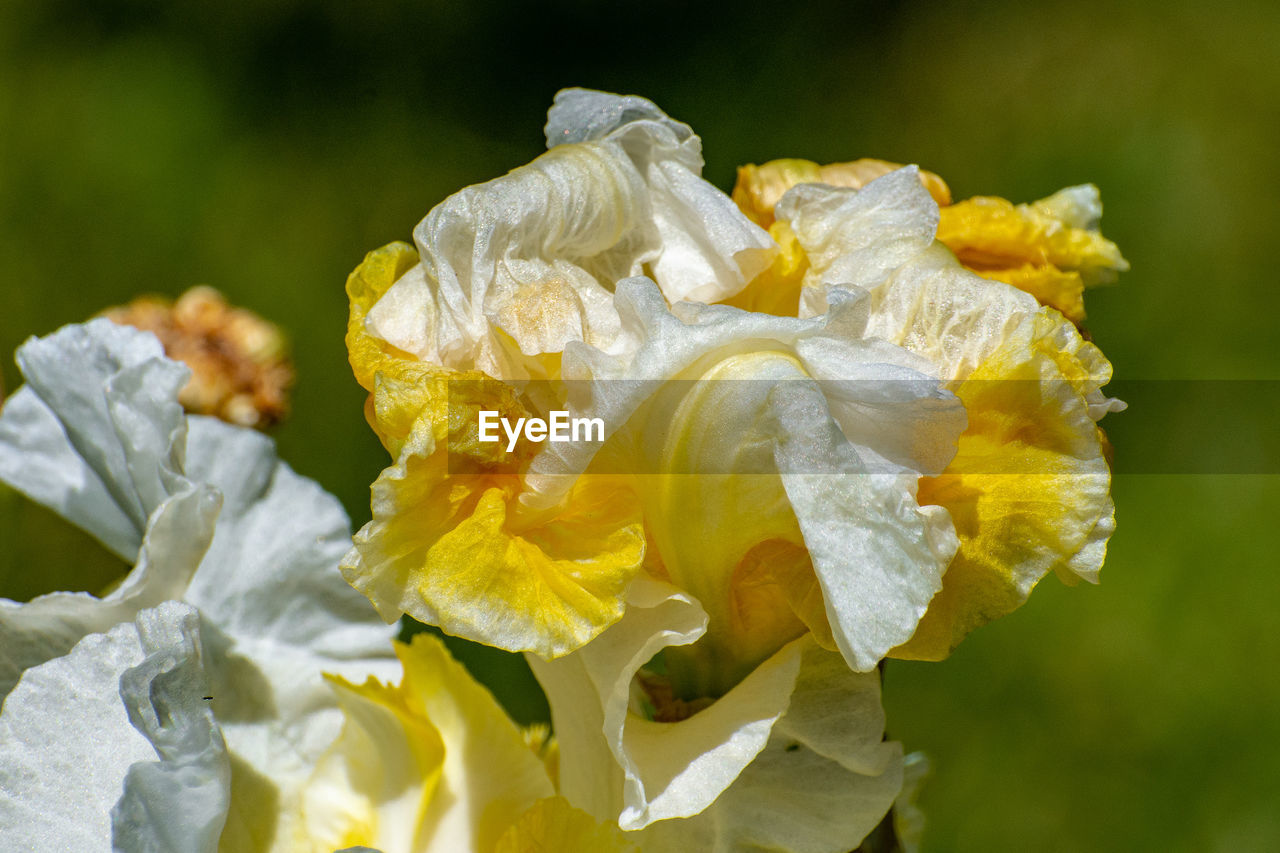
pixel 432 765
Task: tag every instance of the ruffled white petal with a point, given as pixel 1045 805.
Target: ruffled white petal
pixel 48 626
pixel 709 249
pixel 855 238
pixel 878 555
pixel 617 765
pixel 97 433
pixel 880 238
pixel 180 802
pixel 825 779
pixel 67 744
pixel 262 571
pixel 522 265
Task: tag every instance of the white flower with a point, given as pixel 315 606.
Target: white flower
pixel 209 517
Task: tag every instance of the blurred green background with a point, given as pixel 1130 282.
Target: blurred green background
pixel 148 145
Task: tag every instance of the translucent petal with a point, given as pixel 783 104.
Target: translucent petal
pixel 433 765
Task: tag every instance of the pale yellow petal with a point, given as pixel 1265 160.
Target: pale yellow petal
pixel 434 765
pixel 374 785
pixel 554 826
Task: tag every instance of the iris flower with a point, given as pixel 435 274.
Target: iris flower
pixel 826 443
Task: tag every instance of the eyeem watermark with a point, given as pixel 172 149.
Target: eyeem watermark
pixel 558 427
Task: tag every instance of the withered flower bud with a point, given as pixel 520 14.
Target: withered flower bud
pixel 240 366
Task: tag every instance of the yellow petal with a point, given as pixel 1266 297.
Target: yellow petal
pixel 1050 248
pixel 450 549
pixel 1026 489
pixel 554 826
pixel 365 286
pixel 759 187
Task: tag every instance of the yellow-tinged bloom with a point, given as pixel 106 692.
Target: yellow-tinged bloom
pixel 531 551
pixel 1050 248
pixel 445 544
pixel 751 513
pixel 1029 488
